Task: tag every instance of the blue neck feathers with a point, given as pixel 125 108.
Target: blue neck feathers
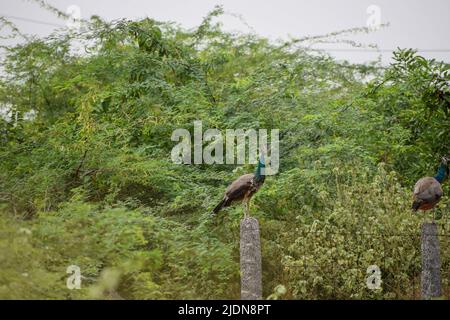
pixel 258 175
pixel 442 171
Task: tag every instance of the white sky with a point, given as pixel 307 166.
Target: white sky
pixel 420 24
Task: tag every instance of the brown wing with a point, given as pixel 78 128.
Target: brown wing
pixel 428 189
pixel 236 191
pixel 239 187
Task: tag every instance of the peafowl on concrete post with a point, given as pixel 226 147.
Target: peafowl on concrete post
pixel 427 193
pixel 242 189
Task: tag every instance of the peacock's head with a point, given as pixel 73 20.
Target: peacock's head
pixel 445 160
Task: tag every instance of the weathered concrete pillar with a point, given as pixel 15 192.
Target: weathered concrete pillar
pixel 250 247
pixel 431 262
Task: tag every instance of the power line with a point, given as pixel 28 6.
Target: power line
pixel 373 50
pixel 34 21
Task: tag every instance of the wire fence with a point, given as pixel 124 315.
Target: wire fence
pixel 400 279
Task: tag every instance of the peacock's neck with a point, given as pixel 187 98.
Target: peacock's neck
pixel 442 171
pixel 259 177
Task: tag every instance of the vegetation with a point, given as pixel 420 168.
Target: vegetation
pixel 86 177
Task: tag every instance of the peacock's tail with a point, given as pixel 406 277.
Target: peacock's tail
pixel 222 204
pixel 416 205
pixel 219 206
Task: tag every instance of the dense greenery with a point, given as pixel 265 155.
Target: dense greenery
pixel 86 177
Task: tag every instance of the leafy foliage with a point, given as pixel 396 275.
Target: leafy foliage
pixel 86 177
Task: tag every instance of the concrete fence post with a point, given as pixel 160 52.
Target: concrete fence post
pixel 431 262
pixel 250 259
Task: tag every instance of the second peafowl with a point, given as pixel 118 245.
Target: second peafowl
pixel 428 190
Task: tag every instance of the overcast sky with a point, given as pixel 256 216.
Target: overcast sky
pixel 420 24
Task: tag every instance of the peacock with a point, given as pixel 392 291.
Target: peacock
pixel 243 188
pixel 428 190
